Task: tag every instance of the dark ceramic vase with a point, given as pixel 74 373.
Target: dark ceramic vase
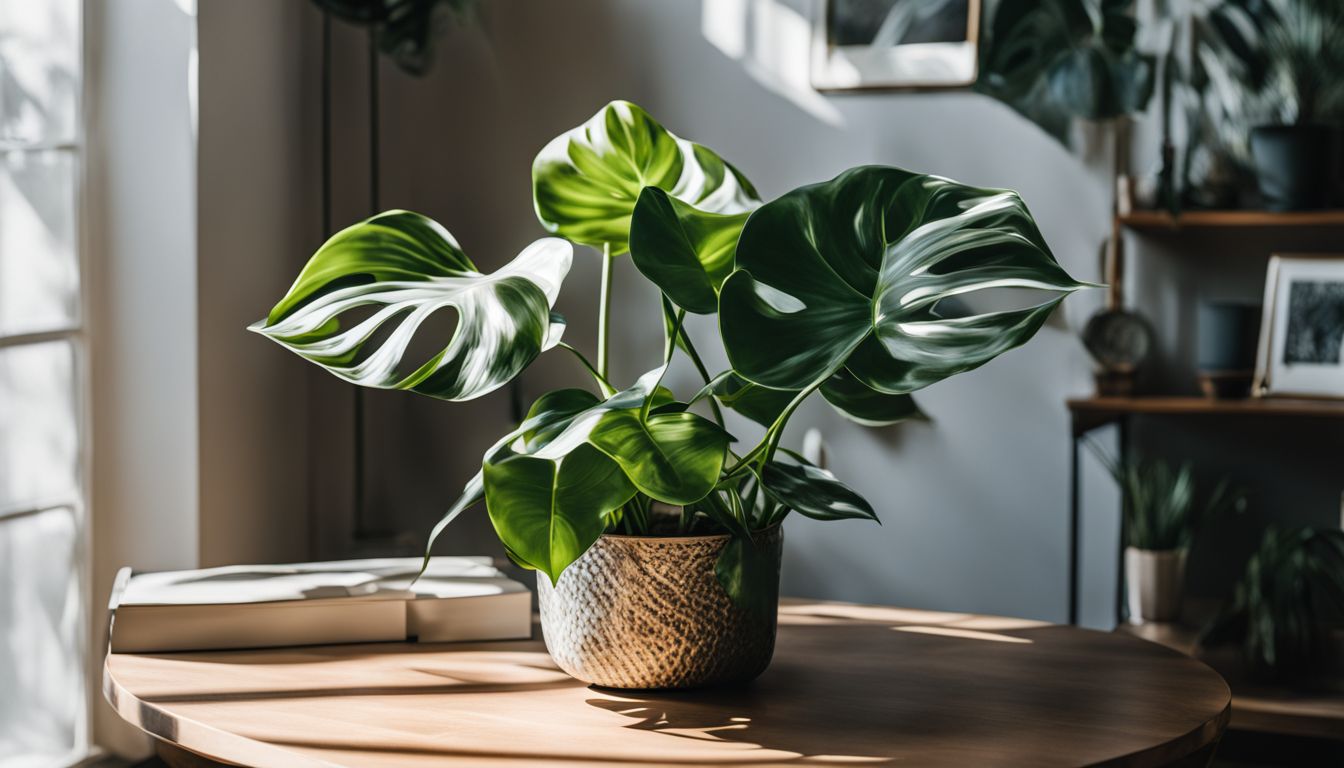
pixel 1293 165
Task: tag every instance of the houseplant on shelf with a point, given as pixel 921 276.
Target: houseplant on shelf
pixel 657 537
pixel 1162 513
pixel 1276 68
pixel 1287 612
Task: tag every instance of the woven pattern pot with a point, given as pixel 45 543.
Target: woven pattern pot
pixel 648 612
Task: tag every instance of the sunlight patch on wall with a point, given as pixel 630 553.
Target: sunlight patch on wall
pixel 772 41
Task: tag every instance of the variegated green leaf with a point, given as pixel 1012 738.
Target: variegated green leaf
pixel 404 267
pixel 847 275
pixel 533 481
pixel 586 181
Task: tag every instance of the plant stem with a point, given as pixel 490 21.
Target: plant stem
pixel 602 383
pixel 770 441
pixel 695 359
pixel 604 312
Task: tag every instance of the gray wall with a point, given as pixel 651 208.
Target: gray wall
pixel 973 504
pixel 140 214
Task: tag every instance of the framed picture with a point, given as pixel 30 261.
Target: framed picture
pixel 894 44
pixel 1303 327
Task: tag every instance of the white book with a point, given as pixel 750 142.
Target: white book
pixel 352 601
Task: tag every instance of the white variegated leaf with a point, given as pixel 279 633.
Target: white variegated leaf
pixel 405 268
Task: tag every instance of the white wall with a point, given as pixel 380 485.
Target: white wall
pixel 140 193
pixel 199 427
pixel 974 504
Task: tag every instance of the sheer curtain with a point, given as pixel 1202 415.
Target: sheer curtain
pixel 43 562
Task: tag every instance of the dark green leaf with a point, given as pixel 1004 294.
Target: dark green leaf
pixel 749 572
pixel 813 492
pixel 850 397
pixel 686 252
pixel 549 512
pixel 865 405
pixel 847 274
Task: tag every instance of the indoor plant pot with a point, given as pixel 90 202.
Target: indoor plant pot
pixel 649 612
pixel 829 289
pixel 1154 583
pixel 1292 165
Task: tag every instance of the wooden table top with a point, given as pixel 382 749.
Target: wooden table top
pixel 850 684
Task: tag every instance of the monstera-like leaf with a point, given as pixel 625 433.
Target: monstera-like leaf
pixel 846 275
pixel 585 182
pixel 850 397
pixel 812 491
pixel 685 251
pixel 551 485
pixel 406 267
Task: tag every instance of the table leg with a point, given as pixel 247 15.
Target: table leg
pixel 1121 609
pixel 1073 531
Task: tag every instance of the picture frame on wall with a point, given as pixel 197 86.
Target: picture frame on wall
pixel 894 44
pixel 1301 351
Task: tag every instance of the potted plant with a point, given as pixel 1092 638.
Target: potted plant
pixel 1285 613
pixel 1161 516
pixel 1278 67
pixel 655 532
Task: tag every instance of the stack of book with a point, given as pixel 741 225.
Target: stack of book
pixel 352 601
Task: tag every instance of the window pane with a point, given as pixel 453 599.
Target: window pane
pixel 39 456
pixel 40 673
pixel 39 70
pixel 39 269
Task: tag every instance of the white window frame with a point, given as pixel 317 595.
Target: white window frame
pixel 76 336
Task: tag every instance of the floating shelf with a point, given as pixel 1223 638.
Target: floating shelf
pixel 1203 406
pixel 1164 221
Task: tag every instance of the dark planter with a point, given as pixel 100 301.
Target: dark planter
pixel 1293 165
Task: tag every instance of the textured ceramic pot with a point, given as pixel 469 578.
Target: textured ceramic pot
pixel 648 612
pixel 1155 583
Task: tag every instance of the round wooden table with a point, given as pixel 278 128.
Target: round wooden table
pixel 850 685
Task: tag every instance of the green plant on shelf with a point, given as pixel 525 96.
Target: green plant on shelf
pixel 1160 502
pixel 831 289
pixel 1285 610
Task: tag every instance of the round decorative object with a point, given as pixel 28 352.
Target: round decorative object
pixel 1117 339
pixel 649 612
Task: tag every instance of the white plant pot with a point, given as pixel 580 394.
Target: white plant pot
pixel 1154 583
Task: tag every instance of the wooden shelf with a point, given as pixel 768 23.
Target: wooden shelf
pixel 1203 406
pixel 1163 221
pixel 1262 707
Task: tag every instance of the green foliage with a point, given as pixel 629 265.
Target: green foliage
pixel 1284 607
pixel 1161 506
pixel 832 288
pixel 404 29
pixel 406 267
pixel 852 272
pixel 585 182
pixel 1274 61
pixel 1055 60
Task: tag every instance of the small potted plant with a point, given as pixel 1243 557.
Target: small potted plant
pixel 655 532
pixel 1161 517
pixel 1278 66
pixel 1287 612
